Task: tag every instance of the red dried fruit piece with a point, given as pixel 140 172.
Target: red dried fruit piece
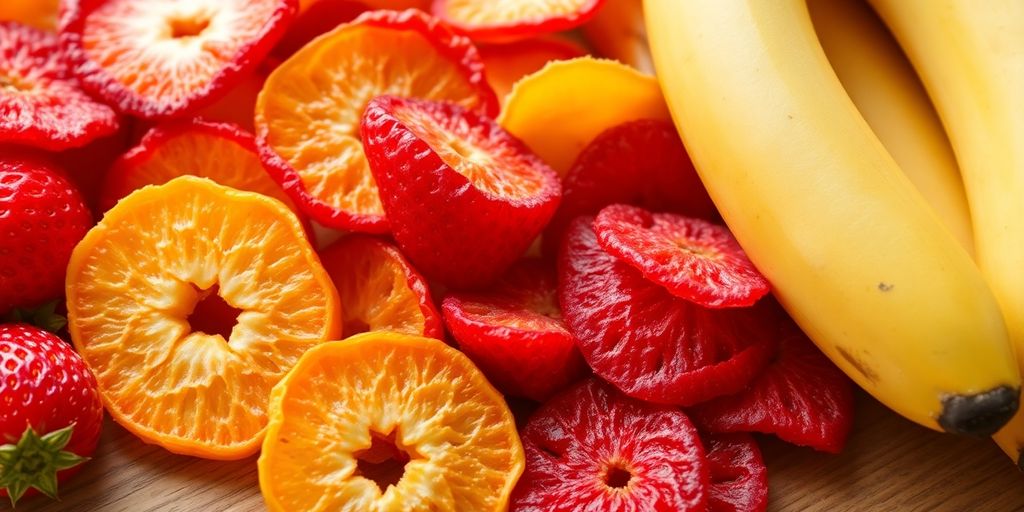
pixel 42 217
pixel 320 17
pixel 739 479
pixel 648 343
pixel 692 258
pixel 508 20
pixel 41 103
pixel 515 334
pixel 464 198
pixel 642 163
pixel 591 448
pixel 379 289
pixel 800 396
pixel 158 59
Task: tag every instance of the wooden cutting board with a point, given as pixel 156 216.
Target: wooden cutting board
pixel 889 464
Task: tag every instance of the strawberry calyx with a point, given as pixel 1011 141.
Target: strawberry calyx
pixel 34 462
pixel 44 317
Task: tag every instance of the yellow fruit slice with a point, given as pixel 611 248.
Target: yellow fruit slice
pixel 558 110
pixel 163 269
pixel 349 408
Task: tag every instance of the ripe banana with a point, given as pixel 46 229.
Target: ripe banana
pixel 970 56
pixel 852 250
pixel 881 82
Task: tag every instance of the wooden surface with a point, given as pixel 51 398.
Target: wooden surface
pixel 889 465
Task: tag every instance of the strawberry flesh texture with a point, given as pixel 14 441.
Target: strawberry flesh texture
pixel 739 479
pixel 591 448
pixel 515 334
pixel 642 163
pixel 46 385
pixel 521 19
pixel 42 217
pixel 801 397
pixel 648 343
pixel 464 198
pixel 691 258
pixel 41 103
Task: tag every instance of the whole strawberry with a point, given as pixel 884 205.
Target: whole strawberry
pixel 50 411
pixel 42 217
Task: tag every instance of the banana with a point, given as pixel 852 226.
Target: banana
pixel 970 56
pixel 852 250
pixel 888 93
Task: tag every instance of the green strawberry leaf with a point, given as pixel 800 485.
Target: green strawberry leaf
pixel 44 317
pixel 33 462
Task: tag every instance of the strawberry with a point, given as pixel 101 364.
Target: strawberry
pixel 800 396
pixel 51 415
pixel 42 217
pixel 739 480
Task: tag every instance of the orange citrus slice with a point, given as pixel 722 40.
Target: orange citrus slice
pixel 41 14
pixel 558 110
pixel 351 413
pixel 308 113
pixel 147 292
pixel 379 289
pixel 618 32
pixel 507 63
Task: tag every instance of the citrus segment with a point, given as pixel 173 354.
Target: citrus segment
pixel 507 63
pixel 558 110
pixel 308 113
pixel 166 58
pixel 618 32
pixel 507 20
pixel 379 289
pixel 348 405
pixel 139 277
pixel 41 14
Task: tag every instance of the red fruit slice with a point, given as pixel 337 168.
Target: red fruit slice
pixel 165 58
pixel 464 198
pixel 41 104
pixel 321 16
pixel 801 397
pixel 507 20
pixel 648 343
pixel 379 289
pixel 642 163
pixel 220 151
pixel 591 448
pixel 739 479
pixel 692 258
pixel 515 334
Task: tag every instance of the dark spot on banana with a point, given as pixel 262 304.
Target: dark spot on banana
pixel 858 365
pixel 885 287
pixel 979 414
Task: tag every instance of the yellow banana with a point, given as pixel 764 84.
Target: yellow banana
pixel 970 56
pixel 852 250
pixel 888 93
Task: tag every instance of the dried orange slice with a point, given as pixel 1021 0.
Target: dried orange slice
pixel 351 412
pixel 595 94
pixel 308 113
pixel 190 301
pixel 507 20
pixel 618 32
pixel 379 289
pixel 41 14
pixel 507 63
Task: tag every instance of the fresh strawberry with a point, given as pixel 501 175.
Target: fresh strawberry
pixel 801 397
pixel 41 104
pixel 642 163
pixel 51 415
pixel 649 343
pixel 739 480
pixel 591 448
pixel 515 334
pixel 692 258
pixel 158 59
pixel 509 20
pixel 42 217
pixel 464 198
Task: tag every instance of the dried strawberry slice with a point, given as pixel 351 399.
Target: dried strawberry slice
pixel 647 342
pixel 515 334
pixel 739 479
pixel 642 163
pixel 507 20
pixel 320 17
pixel 464 198
pixel 801 397
pixel 591 448
pixel 166 58
pixel 692 258
pixel 41 104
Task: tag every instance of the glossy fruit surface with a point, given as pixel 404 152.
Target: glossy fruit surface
pixel 739 479
pixel 507 63
pixel 514 19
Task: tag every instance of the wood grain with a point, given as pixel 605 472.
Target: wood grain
pixel 890 464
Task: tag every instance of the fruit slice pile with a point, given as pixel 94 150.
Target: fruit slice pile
pixel 170 258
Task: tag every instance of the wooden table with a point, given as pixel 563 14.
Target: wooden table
pixel 890 464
